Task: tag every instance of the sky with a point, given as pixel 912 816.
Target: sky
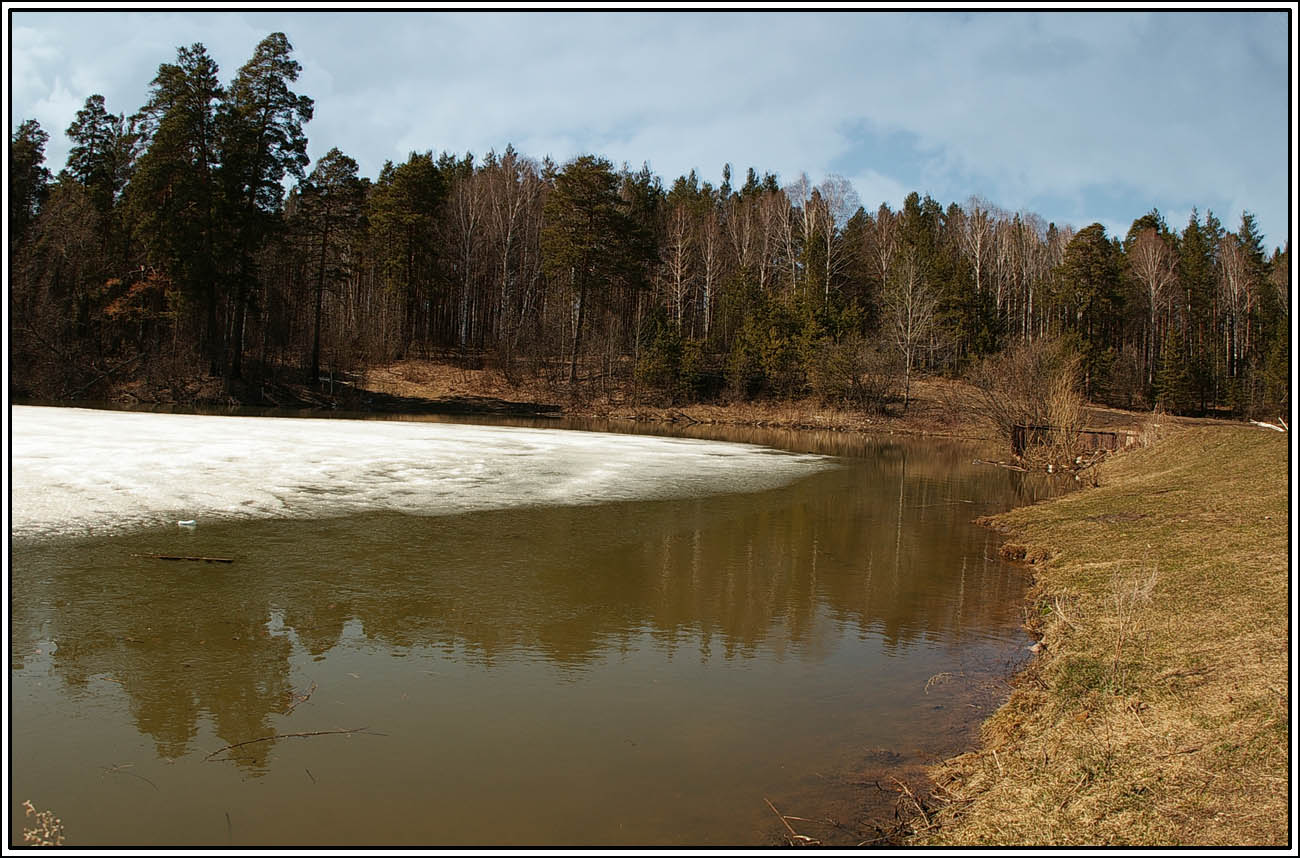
pixel 1082 117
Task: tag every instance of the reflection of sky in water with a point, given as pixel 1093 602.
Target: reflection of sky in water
pixel 78 471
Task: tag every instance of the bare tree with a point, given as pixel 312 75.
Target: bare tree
pixel 882 240
pixel 676 259
pixel 910 305
pixel 513 196
pixel 1152 261
pixel 709 241
pixel 773 216
pixel 977 239
pixel 1235 295
pixel 467 210
pixel 838 201
pixel 796 224
pixel 1280 279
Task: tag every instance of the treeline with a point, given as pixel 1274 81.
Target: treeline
pixel 168 247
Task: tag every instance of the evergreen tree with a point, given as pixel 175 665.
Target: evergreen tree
pixel 29 178
pixel 586 239
pixel 1173 381
pixel 1089 280
pixel 102 154
pixel 173 197
pixel 330 202
pixel 260 125
pixel 402 211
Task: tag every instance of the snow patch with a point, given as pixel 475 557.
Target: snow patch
pixel 81 472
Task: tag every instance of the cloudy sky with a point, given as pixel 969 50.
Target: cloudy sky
pixel 1080 117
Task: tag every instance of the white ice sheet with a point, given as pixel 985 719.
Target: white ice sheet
pixel 79 471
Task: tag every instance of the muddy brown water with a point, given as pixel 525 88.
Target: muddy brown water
pixel 633 673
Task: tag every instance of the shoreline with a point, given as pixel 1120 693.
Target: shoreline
pixel 1157 711
pixel 1032 774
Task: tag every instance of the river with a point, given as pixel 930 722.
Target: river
pixel 506 635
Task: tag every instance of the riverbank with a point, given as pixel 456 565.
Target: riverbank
pixel 939 407
pixel 1158 710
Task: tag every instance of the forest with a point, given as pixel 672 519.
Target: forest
pixel 191 240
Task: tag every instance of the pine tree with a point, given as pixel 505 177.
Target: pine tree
pixel 260 124
pixel 29 179
pixel 1173 381
pixel 586 239
pixel 1089 280
pixel 103 152
pixel 330 201
pixel 402 211
pixel 173 197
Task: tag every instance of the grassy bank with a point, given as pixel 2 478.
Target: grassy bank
pixel 1157 712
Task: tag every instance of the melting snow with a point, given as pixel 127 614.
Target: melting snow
pixel 80 471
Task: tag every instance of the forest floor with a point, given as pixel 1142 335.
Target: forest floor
pixel 1158 710
pixel 937 406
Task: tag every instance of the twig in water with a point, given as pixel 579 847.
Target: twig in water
pixel 121 769
pixel 309 774
pixel 297 699
pixel 186 557
pixel 288 736
pixel 1001 465
pixel 795 837
pixel 919 807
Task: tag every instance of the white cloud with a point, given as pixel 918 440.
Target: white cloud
pixel 1169 109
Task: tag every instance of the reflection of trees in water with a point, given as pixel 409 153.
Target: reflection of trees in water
pixel 782 569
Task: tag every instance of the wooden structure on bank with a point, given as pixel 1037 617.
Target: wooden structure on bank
pixel 1089 440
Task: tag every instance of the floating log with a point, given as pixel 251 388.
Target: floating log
pixel 186 557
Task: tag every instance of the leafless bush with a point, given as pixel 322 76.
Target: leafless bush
pixel 1033 385
pixel 854 374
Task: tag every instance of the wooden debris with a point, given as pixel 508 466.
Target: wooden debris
pixel 186 557
pixel 272 738
pixel 795 838
pixel 1001 465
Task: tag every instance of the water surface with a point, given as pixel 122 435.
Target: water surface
pixel 644 667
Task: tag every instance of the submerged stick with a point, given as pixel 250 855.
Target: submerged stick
pixel 186 557
pixel 121 769
pixel 795 837
pixel 286 736
pixel 303 699
pixel 1001 465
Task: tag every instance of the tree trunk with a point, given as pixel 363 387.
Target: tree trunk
pixel 577 332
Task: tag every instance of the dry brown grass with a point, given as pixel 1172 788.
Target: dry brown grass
pixel 47 829
pixel 1158 713
pixel 937 406
pixel 436 380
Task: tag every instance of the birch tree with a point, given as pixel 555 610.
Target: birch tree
pixel 910 305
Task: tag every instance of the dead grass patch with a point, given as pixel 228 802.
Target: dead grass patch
pixel 1159 711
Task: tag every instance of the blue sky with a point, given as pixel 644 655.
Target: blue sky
pixel 1078 116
